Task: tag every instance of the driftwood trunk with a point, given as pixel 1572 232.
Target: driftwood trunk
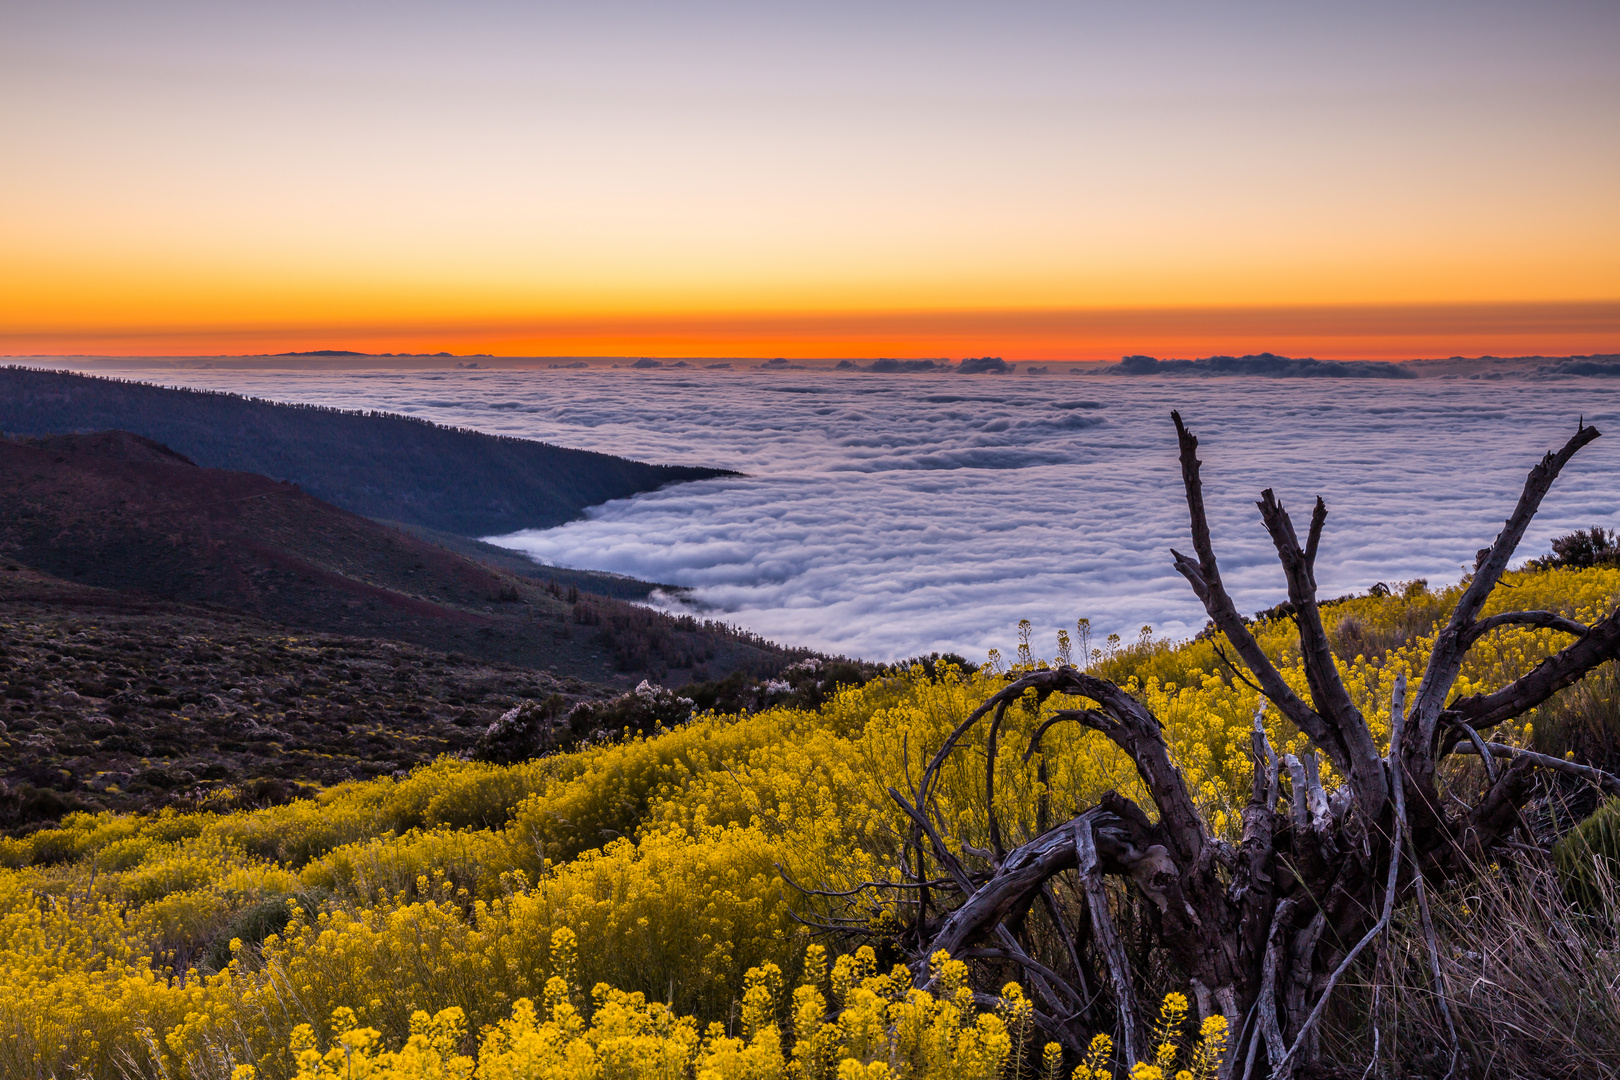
pixel 1267 928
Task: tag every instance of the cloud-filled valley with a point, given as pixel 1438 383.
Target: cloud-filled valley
pixel 886 516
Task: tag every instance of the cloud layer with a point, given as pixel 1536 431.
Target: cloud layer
pixel 885 516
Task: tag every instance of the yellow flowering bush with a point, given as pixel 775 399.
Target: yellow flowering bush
pixel 426 910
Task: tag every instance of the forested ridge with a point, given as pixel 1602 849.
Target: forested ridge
pixel 381 465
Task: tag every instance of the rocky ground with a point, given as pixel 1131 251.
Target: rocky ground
pixel 114 702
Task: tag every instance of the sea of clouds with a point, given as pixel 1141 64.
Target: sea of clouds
pixel 886 516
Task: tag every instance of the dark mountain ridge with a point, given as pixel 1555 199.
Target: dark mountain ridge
pixel 117 511
pixel 380 465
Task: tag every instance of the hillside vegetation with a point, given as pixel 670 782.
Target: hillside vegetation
pixel 458 914
pixel 380 465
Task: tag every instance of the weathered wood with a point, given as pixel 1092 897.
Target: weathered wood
pixel 1605 780
pixel 1266 1007
pixel 1345 728
pixel 1599 645
pixel 1107 938
pixel 1205 578
pixel 1445 661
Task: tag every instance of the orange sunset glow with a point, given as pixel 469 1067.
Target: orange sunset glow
pixel 1037 184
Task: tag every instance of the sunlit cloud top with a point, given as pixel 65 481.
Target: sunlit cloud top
pixel 237 175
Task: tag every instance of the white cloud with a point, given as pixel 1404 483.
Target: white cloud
pixel 886 516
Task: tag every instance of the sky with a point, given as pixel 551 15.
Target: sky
pixel 1034 180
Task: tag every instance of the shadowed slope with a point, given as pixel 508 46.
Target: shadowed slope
pixel 134 517
pixel 378 464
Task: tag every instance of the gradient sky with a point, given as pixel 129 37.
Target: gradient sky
pixel 1027 179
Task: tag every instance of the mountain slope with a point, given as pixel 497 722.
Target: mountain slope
pixel 119 512
pixel 380 465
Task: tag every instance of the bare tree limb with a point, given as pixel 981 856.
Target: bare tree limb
pixel 1445 661
pixel 1599 645
pixel 1205 578
pixel 1479 748
pixel 1316 799
pixel 997 849
pixel 1434 954
pixel 1040 680
pixel 1061 716
pixel 1318 519
pixel 1270 1029
pixel 1023 959
pixel 1607 781
pixel 1136 731
pixel 1055 913
pixel 1122 843
pixel 1048 983
pixel 1547 620
pixel 862 887
pixel 952 865
pixel 1252 886
pixel 1302 957
pixel 1349 738
pixel 1220 654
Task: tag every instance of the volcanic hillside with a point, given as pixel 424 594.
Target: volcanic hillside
pixel 121 512
pixel 382 465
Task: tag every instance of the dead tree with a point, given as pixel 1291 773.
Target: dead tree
pixel 1267 928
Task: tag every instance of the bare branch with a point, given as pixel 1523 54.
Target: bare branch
pixel 1318 519
pixel 1315 796
pixel 1085 716
pixel 1547 620
pixel 998 851
pixel 941 852
pixel 862 887
pixel 1136 731
pixel 1302 958
pixel 1043 980
pixel 1055 913
pixel 1205 578
pixel 1310 807
pixel 1479 748
pixel 1445 662
pixel 1264 754
pixel 1299 807
pixel 1040 680
pixel 1023 959
pixel 1607 781
pixel 1220 653
pixel 1270 1029
pixel 1434 953
pixel 1252 886
pixel 1348 737
pixel 1600 644
pixel 1027 867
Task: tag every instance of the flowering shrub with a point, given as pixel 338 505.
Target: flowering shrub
pixel 185 945
pixel 883 1028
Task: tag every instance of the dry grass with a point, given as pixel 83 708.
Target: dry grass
pixel 1531 979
